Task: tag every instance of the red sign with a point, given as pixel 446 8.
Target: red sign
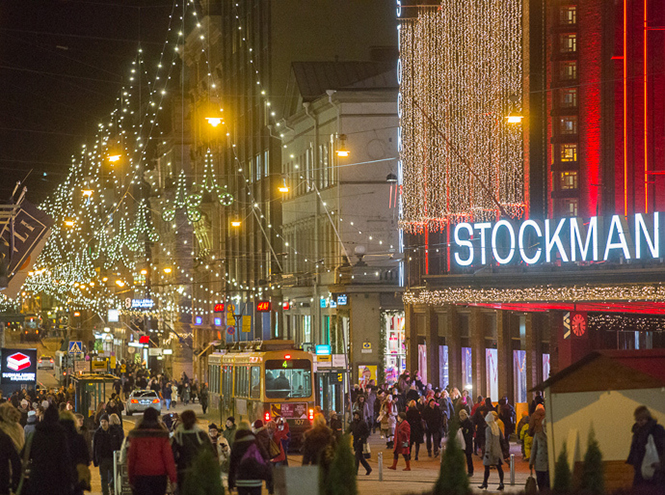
pixel 219 308
pixel 18 361
pixel 263 306
pixel 286 305
pixel 144 339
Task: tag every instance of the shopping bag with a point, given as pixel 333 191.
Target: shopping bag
pixel 367 452
pixel 650 457
pixel 530 488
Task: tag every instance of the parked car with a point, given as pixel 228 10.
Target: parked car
pixel 45 363
pixel 140 400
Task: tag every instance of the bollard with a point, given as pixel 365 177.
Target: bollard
pixel 512 469
pixel 380 460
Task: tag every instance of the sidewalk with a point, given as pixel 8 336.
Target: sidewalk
pixel 420 479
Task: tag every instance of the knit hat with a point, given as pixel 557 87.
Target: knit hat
pixel 24 404
pixel 31 413
pixel 213 426
pixel 258 424
pixel 103 417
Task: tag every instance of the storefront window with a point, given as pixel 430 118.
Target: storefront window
pixel 519 374
pixel 492 367
pixel 546 366
pixel 444 379
pixel 395 352
pixel 422 361
pixel 467 370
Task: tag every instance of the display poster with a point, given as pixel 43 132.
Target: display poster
pixel 491 356
pixel 19 366
pixel 467 368
pixel 365 374
pixel 444 378
pixel 519 374
pixel 422 362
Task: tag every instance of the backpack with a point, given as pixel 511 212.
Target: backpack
pixel 252 464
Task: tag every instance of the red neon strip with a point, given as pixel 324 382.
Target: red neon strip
pixel 625 107
pixel 426 251
pixel 646 135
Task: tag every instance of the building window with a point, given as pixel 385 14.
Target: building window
pixel 568 153
pixel 567 180
pixel 568 15
pixel 569 98
pixel 568 43
pixel 569 207
pixel 568 125
pixel 568 71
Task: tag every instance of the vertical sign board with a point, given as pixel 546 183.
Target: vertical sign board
pixel 19 367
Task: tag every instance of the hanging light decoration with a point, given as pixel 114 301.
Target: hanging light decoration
pixel 461 159
pixel 183 200
pixel 210 184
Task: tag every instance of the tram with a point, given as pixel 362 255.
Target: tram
pixel 270 380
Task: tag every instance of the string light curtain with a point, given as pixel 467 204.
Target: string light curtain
pixel 460 76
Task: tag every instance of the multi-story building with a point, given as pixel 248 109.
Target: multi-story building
pixel 342 262
pixel 524 251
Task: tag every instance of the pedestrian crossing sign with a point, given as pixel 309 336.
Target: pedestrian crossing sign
pixel 75 347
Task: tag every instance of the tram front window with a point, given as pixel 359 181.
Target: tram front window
pixel 288 379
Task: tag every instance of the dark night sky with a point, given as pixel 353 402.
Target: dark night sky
pixel 62 63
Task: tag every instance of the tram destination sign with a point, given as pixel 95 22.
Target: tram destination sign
pixel 565 240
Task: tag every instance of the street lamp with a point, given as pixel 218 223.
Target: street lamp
pixel 87 193
pixel 342 151
pixel 236 223
pixel 69 222
pixel 119 283
pixel 214 121
pixel 167 270
pixel 114 158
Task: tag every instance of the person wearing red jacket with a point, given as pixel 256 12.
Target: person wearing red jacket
pixel 150 458
pixel 402 442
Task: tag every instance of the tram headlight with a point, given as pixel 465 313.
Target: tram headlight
pixel 311 414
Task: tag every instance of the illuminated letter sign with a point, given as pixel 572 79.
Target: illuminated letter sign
pixel 263 306
pixel 465 243
pixel 561 240
pixel 219 308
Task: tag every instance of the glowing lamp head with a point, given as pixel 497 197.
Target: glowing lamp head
pixel 119 283
pixel 235 223
pixel 87 193
pixel 283 189
pixel 69 222
pixel 214 121
pixel 114 158
pixel 343 153
pixel 514 118
pixel 167 270
pixel 144 272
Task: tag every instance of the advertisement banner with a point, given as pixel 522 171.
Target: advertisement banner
pixel 19 366
pixel 365 374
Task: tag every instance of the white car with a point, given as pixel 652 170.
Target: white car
pixel 140 400
pixel 45 363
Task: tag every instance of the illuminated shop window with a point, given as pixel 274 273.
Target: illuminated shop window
pixel 569 97
pixel 568 43
pixel 567 180
pixel 569 152
pixel 568 125
pixel 568 15
pixel 568 70
pixel 569 207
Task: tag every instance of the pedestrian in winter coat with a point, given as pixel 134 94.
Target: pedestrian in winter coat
pixel 30 424
pixel 277 435
pixel 336 425
pixel 524 420
pixel 186 393
pixel 105 441
pixel 362 407
pixel 262 435
pixel 52 471
pixel 434 422
pixel 318 444
pixel 527 441
pixel 466 426
pixel 203 398
pixel 150 458
pixel 539 460
pixel 360 432
pixel 249 465
pixel 415 420
pixel 78 450
pixel 10 418
pixel 479 422
pixel 187 443
pixel 402 439
pixel 493 453
pixel 507 415
pixel 388 417
pixel 230 431
pixel 645 426
pixel 10 465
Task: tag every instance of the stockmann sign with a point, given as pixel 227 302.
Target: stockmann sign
pixel 568 240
